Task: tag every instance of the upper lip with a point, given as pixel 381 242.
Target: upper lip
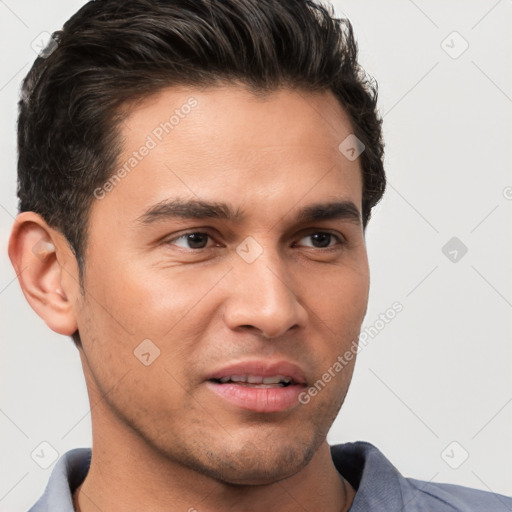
pixel 263 368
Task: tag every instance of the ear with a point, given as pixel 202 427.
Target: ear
pixel 47 271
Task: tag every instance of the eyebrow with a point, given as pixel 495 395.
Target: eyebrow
pixel 188 209
pixel 342 210
pixel 197 209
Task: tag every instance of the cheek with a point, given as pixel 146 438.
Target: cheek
pixel 339 298
pixel 164 313
pixel 147 301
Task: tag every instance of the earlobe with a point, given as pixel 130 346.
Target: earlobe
pixel 37 253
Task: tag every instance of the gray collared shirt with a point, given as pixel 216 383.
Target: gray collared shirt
pixel 379 485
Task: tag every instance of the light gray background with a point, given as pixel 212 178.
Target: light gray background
pixel 440 371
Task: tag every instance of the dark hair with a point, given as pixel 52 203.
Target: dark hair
pixel 114 52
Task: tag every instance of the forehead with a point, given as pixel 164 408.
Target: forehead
pixel 237 116
pixel 227 142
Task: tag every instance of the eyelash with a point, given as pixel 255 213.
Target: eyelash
pixel 339 239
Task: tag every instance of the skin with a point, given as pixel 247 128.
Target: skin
pixel 160 436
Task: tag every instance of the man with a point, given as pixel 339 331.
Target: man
pixel 195 179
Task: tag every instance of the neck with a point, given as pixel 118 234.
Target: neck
pixel 126 475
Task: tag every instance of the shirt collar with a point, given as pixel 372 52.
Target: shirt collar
pixel 69 472
pixel 378 484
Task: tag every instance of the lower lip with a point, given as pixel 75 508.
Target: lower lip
pixel 258 399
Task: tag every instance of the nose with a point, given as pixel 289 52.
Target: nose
pixel 262 298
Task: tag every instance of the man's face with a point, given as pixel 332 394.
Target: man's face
pixel 272 281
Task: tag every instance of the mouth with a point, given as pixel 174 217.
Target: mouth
pixel 257 381
pixel 258 386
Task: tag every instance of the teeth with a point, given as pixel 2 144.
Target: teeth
pixel 256 379
pixel 274 380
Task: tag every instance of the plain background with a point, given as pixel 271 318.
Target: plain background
pixel 434 385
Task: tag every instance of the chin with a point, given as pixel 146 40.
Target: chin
pixel 257 462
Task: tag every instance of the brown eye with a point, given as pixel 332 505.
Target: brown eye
pixel 321 240
pixel 196 240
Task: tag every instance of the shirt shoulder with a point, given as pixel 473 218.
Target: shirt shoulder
pixel 66 476
pixel 380 486
pixel 453 498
